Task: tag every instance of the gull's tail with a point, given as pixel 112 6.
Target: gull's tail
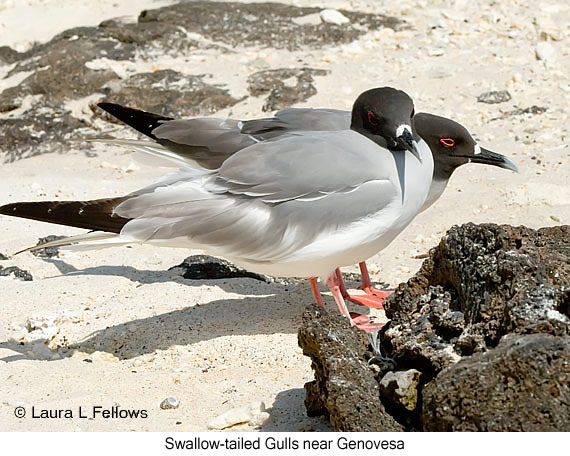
pixel 96 215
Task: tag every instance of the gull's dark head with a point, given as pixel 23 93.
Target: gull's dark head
pixel 386 115
pixel 453 146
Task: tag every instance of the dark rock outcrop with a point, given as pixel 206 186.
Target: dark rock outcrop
pixel 496 96
pixel 47 252
pixel 200 267
pixel 264 24
pixel 16 272
pixel 486 321
pixel 532 110
pixel 281 95
pixel 173 94
pixel 521 385
pixel 345 388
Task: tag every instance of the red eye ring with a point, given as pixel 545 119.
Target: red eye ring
pixel 372 119
pixel 447 142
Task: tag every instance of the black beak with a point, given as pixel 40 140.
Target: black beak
pixel 488 157
pixel 407 141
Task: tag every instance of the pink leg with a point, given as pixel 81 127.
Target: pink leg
pixel 360 321
pixel 342 286
pixel 367 284
pixel 316 291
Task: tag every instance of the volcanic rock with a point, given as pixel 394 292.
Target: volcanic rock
pixel 486 321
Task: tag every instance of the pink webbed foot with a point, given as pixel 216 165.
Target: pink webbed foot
pixel 382 294
pixel 369 299
pixel 362 322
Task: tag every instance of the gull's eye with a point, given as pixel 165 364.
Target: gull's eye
pixel 373 119
pixel 447 142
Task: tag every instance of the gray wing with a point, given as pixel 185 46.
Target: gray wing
pixel 297 119
pixel 209 142
pixel 269 200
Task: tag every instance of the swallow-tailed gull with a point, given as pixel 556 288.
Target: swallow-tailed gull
pixel 208 142
pixel 300 204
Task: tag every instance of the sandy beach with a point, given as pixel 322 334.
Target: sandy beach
pixel 122 329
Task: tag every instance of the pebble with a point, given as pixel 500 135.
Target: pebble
pixel 436 52
pixel 259 419
pixel 332 16
pixel 170 403
pixel 246 414
pixel 494 97
pixel 309 19
pixel 44 326
pixel 18 335
pixel 454 357
pixel 103 357
pixel 401 387
pixel 544 51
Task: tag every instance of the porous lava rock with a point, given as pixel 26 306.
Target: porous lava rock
pixel 486 321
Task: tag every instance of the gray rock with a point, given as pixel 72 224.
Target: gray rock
pixel 170 403
pixel 8 55
pixel 401 387
pixel 280 96
pixel 532 110
pixel 200 267
pixel 502 279
pixel 16 272
pixel 47 252
pixel 265 24
pixel 345 388
pixel 522 385
pixel 173 94
pixel 499 96
pixel 486 321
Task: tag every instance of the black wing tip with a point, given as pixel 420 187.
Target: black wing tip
pixel 108 106
pixel 142 121
pixel 117 110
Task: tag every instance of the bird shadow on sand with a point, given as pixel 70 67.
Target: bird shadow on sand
pixel 146 277
pixel 277 312
pixel 289 404
pixel 262 308
pixel 247 316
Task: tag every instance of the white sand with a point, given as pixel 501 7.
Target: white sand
pixel 219 345
pixel 23 22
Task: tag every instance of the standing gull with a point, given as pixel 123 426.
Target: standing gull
pixel 300 204
pixel 208 142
